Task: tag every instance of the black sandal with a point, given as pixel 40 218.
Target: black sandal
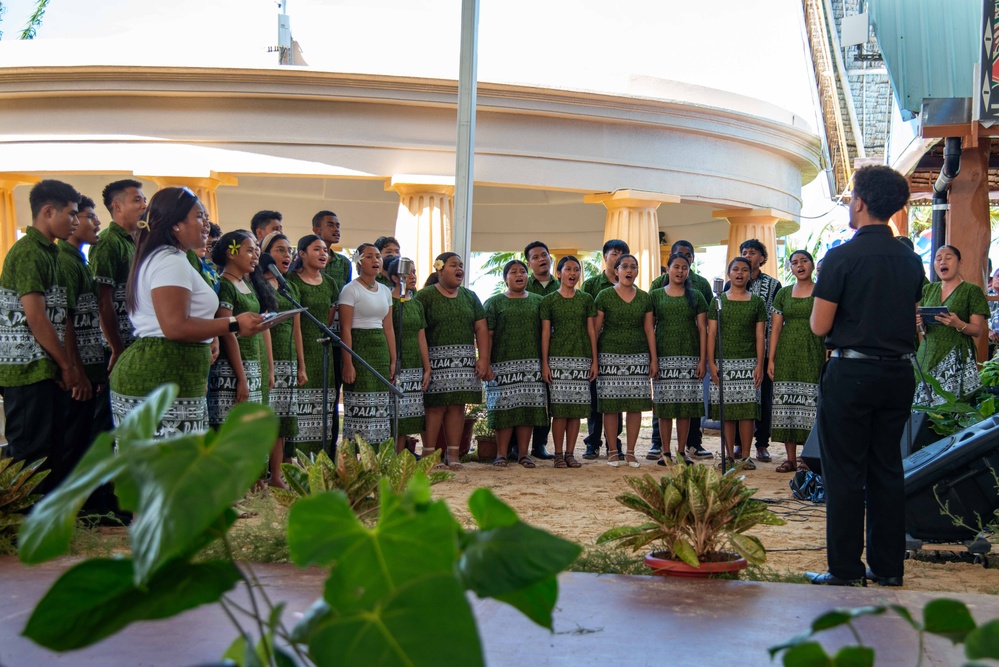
pixel 500 462
pixel 560 461
pixel 571 461
pixel 526 462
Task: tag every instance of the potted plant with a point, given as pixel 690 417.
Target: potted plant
pixel 485 440
pixel 697 521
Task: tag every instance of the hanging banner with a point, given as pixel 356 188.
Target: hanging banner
pixel 988 68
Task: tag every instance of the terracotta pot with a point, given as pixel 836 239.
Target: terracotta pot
pixel 466 438
pixel 485 447
pixel 677 568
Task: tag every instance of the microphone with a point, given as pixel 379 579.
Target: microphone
pixel 268 264
pixel 718 285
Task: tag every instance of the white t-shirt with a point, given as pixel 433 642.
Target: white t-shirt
pixel 370 306
pixel 168 267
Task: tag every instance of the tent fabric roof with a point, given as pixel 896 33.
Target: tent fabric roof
pixel 929 47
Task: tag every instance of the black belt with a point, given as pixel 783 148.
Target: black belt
pixel 847 353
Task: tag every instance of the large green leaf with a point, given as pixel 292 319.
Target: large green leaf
pixel 983 642
pixel 807 654
pixel 395 631
pixel 97 598
pixel 511 558
pixel 489 511
pixel 185 485
pixel 948 618
pixel 749 547
pixel 854 656
pixel 320 527
pixel 536 601
pixel 140 424
pixel 48 530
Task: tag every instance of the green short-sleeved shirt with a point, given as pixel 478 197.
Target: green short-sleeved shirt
pixel 699 283
pixel 111 260
pixel 534 286
pixel 598 283
pixel 81 299
pixel 339 269
pixel 30 266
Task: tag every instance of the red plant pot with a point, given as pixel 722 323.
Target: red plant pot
pixel 677 568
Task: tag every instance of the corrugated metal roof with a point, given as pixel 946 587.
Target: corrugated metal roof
pixel 929 47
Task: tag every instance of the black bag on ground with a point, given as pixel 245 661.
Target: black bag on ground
pixel 807 485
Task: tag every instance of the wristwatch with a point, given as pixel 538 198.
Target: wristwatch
pixel 233 325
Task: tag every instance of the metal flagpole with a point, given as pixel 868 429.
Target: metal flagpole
pixel 465 149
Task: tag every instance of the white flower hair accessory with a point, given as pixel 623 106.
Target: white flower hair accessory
pixel 438 265
pixel 355 258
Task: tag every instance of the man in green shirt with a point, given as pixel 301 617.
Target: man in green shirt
pixel 111 261
pixel 37 376
pixel 326 226
pixel 84 342
pixel 594 285
pixel 265 222
pixel 389 247
pixel 540 282
pixel 694 437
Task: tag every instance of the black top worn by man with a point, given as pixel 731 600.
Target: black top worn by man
pixel 865 307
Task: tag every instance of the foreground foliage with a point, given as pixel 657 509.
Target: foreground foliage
pixel 693 513
pixel 943 617
pixel 384 581
pixel 357 472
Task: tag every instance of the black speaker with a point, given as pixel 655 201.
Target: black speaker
pixel 918 426
pixel 960 471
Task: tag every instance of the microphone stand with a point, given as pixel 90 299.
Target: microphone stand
pixel 331 338
pixel 721 381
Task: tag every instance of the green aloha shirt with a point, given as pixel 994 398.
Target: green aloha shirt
pixel 534 286
pixel 110 261
pixel 81 299
pixel 30 266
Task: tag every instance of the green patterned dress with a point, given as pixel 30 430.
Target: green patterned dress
pixel 317 299
pixel 516 394
pixel 738 338
pixel 283 398
pixel 451 340
pixel 410 375
pixel 252 350
pixel 569 353
pixel 798 362
pixel 945 353
pixel 677 393
pixel 623 353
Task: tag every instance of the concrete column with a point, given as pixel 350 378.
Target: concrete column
pixel 968 227
pixel 632 216
pixel 8 213
pixel 205 189
pixel 559 253
pixel 424 224
pixel 751 223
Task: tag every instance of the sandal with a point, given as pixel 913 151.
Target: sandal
pixel 686 458
pixel 526 462
pixel 747 464
pixel 613 459
pixel 571 461
pixel 632 461
pixel 665 460
pixel 454 459
pixel 500 462
pixel 787 466
pixel 803 467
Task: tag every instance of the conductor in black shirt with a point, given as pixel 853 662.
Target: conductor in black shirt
pixel 865 306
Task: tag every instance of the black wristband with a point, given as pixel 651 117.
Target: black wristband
pixel 233 325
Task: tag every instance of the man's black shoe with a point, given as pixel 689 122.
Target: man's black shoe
pixel 883 581
pixel 829 579
pixel 698 452
pixel 541 453
pixel 591 454
pixel 654 454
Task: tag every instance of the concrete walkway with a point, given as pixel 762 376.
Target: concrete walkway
pixel 606 620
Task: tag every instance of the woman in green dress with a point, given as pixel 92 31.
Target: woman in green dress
pixel 947 352
pixel 173 310
pixel 456 326
pixel 795 363
pixel 742 340
pixel 626 355
pixel 287 352
pixel 244 369
pixel 365 307
pixel 413 365
pixel 515 396
pixel 681 333
pixel 318 294
pixel 568 357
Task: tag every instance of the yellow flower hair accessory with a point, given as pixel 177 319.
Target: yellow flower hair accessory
pixel 438 265
pixel 234 247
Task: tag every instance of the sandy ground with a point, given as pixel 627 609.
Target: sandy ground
pixel 580 504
